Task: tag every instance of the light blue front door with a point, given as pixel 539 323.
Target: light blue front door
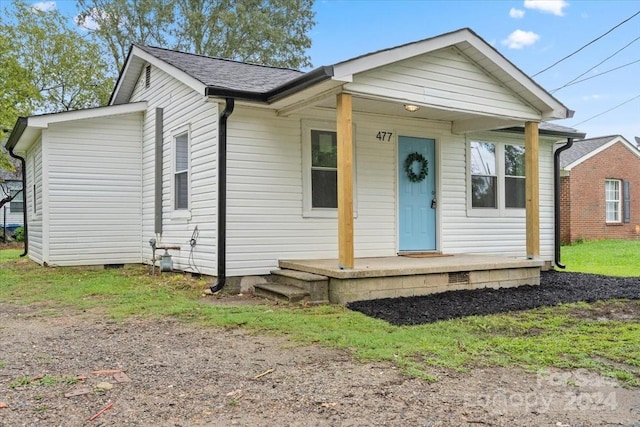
pixel 416 204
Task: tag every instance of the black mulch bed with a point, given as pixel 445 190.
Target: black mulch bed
pixel 555 288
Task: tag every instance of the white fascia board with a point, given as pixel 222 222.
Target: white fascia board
pixel 35 124
pixel 45 120
pixel 600 149
pixel 344 71
pixel 557 110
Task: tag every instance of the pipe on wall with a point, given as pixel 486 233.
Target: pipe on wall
pixel 222 195
pixel 23 165
pixel 556 200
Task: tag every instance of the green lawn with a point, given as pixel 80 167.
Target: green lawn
pixel 565 337
pixel 608 257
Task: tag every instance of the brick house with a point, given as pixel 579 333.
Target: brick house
pixel 600 190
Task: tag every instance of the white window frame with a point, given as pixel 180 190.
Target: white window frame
pixel 308 211
pixel 182 213
pixel 617 202
pixel 13 201
pixel 500 210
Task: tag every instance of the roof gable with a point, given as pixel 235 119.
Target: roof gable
pixel 475 49
pixel 200 72
pixel 585 149
pixel 444 79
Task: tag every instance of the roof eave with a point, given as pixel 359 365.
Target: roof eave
pixel 16 133
pixel 545 132
pixel 289 88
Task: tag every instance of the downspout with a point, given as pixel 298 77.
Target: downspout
pixel 556 197
pixel 23 165
pixel 222 195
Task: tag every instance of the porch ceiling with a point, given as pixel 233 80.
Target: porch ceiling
pixel 461 121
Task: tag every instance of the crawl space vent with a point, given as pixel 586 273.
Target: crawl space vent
pixel 459 278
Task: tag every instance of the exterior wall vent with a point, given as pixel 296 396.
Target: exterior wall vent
pixel 147 77
pixel 459 278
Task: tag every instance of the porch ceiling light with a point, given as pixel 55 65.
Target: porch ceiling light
pixel 411 108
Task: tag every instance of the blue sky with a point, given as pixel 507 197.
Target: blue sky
pixel 532 34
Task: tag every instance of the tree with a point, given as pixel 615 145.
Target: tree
pixel 47 66
pixel 118 23
pixel 269 32
pixel 66 69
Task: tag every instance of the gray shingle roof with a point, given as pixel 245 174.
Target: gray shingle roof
pixel 225 73
pixel 583 147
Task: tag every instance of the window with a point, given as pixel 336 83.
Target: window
pixel 320 169
pixel 514 184
pixel 17 204
pixel 181 171
pixel 612 200
pixel 483 175
pixel 497 182
pixel 324 169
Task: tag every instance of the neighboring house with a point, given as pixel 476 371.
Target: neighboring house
pixel 600 190
pixel 12 213
pixel 293 147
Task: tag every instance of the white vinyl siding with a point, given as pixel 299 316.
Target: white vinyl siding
pixel 93 178
pixel 499 235
pixel 181 107
pixel 34 201
pixel 445 79
pixel 613 200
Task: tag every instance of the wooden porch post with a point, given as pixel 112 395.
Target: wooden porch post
pixel 345 180
pixel 532 192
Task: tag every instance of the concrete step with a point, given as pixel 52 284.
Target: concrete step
pixel 279 291
pixel 316 285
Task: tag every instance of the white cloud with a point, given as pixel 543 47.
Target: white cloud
pixel 547 6
pixel 595 96
pixel 519 39
pixel 44 6
pixel 516 13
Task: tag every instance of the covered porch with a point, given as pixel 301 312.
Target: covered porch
pixel 413 275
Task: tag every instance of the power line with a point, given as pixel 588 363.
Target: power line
pixel 599 63
pixel 595 75
pixel 610 109
pixel 588 44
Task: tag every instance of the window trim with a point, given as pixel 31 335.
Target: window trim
pixel 618 201
pixel 500 210
pixel 18 193
pixel 307 210
pixel 183 213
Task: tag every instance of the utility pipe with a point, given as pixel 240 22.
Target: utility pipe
pixel 23 166
pixel 556 197
pixel 222 195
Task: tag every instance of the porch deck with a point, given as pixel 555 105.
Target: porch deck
pixel 401 276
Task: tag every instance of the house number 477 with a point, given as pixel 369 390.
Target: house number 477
pixel 383 136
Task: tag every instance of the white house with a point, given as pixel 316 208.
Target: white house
pixel 243 166
pixel 12 213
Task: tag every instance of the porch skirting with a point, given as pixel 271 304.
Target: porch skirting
pixel 390 277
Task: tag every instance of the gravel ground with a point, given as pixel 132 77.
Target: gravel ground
pixel 555 288
pixel 61 368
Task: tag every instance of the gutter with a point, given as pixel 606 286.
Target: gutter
pixel 17 132
pixel 222 195
pixel 556 200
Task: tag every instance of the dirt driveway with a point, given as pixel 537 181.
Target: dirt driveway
pixel 174 374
